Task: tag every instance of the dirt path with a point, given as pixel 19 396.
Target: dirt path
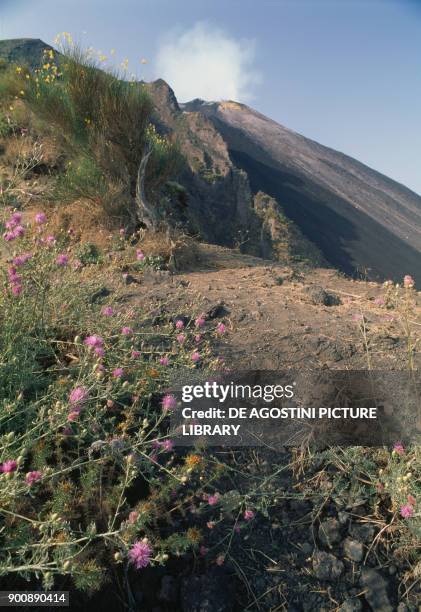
pixel 275 320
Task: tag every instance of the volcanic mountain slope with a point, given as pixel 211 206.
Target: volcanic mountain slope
pixel 252 183
pixel 359 218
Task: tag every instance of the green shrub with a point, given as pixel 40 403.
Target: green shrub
pixel 82 179
pixel 82 424
pixel 88 254
pixel 104 122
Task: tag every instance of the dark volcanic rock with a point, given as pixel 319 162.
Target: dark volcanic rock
pixel 329 532
pixel 216 311
pixel 212 592
pixel 375 587
pixel 319 296
pixel 326 566
pixel 98 295
pixel 351 605
pixel 354 550
pixel 169 591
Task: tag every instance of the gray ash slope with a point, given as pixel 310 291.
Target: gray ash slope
pixel 360 219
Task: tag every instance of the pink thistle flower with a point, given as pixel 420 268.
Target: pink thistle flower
pixel 195 357
pixel 140 255
pixel 408 281
pixel 32 477
pixel 200 321
pixel 17 289
pixel 179 324
pixel 181 338
pixel 379 302
pixel 169 402
pixel 16 218
pixel 118 372
pixel 107 311
pixel 406 511
pixel 221 328
pixel 133 516
pixel 13 275
pixel 9 236
pixel 40 218
pixel 19 260
pixel 99 351
pixel 78 396
pixel 122 231
pixel 167 445
pixel 248 515
pixel 126 331
pixel 164 361
pixel 213 499
pixel 357 317
pixel 19 231
pixel 93 341
pixel 399 448
pixel 50 240
pixel 140 554
pixel 62 260
pixel 198 338
pixel 8 466
pixel 136 354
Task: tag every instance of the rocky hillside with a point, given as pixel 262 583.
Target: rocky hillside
pixel 254 184
pixel 23 50
pixel 359 218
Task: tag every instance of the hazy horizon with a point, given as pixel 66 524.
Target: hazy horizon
pixel 347 75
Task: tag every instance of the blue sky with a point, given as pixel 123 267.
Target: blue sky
pixel 345 73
